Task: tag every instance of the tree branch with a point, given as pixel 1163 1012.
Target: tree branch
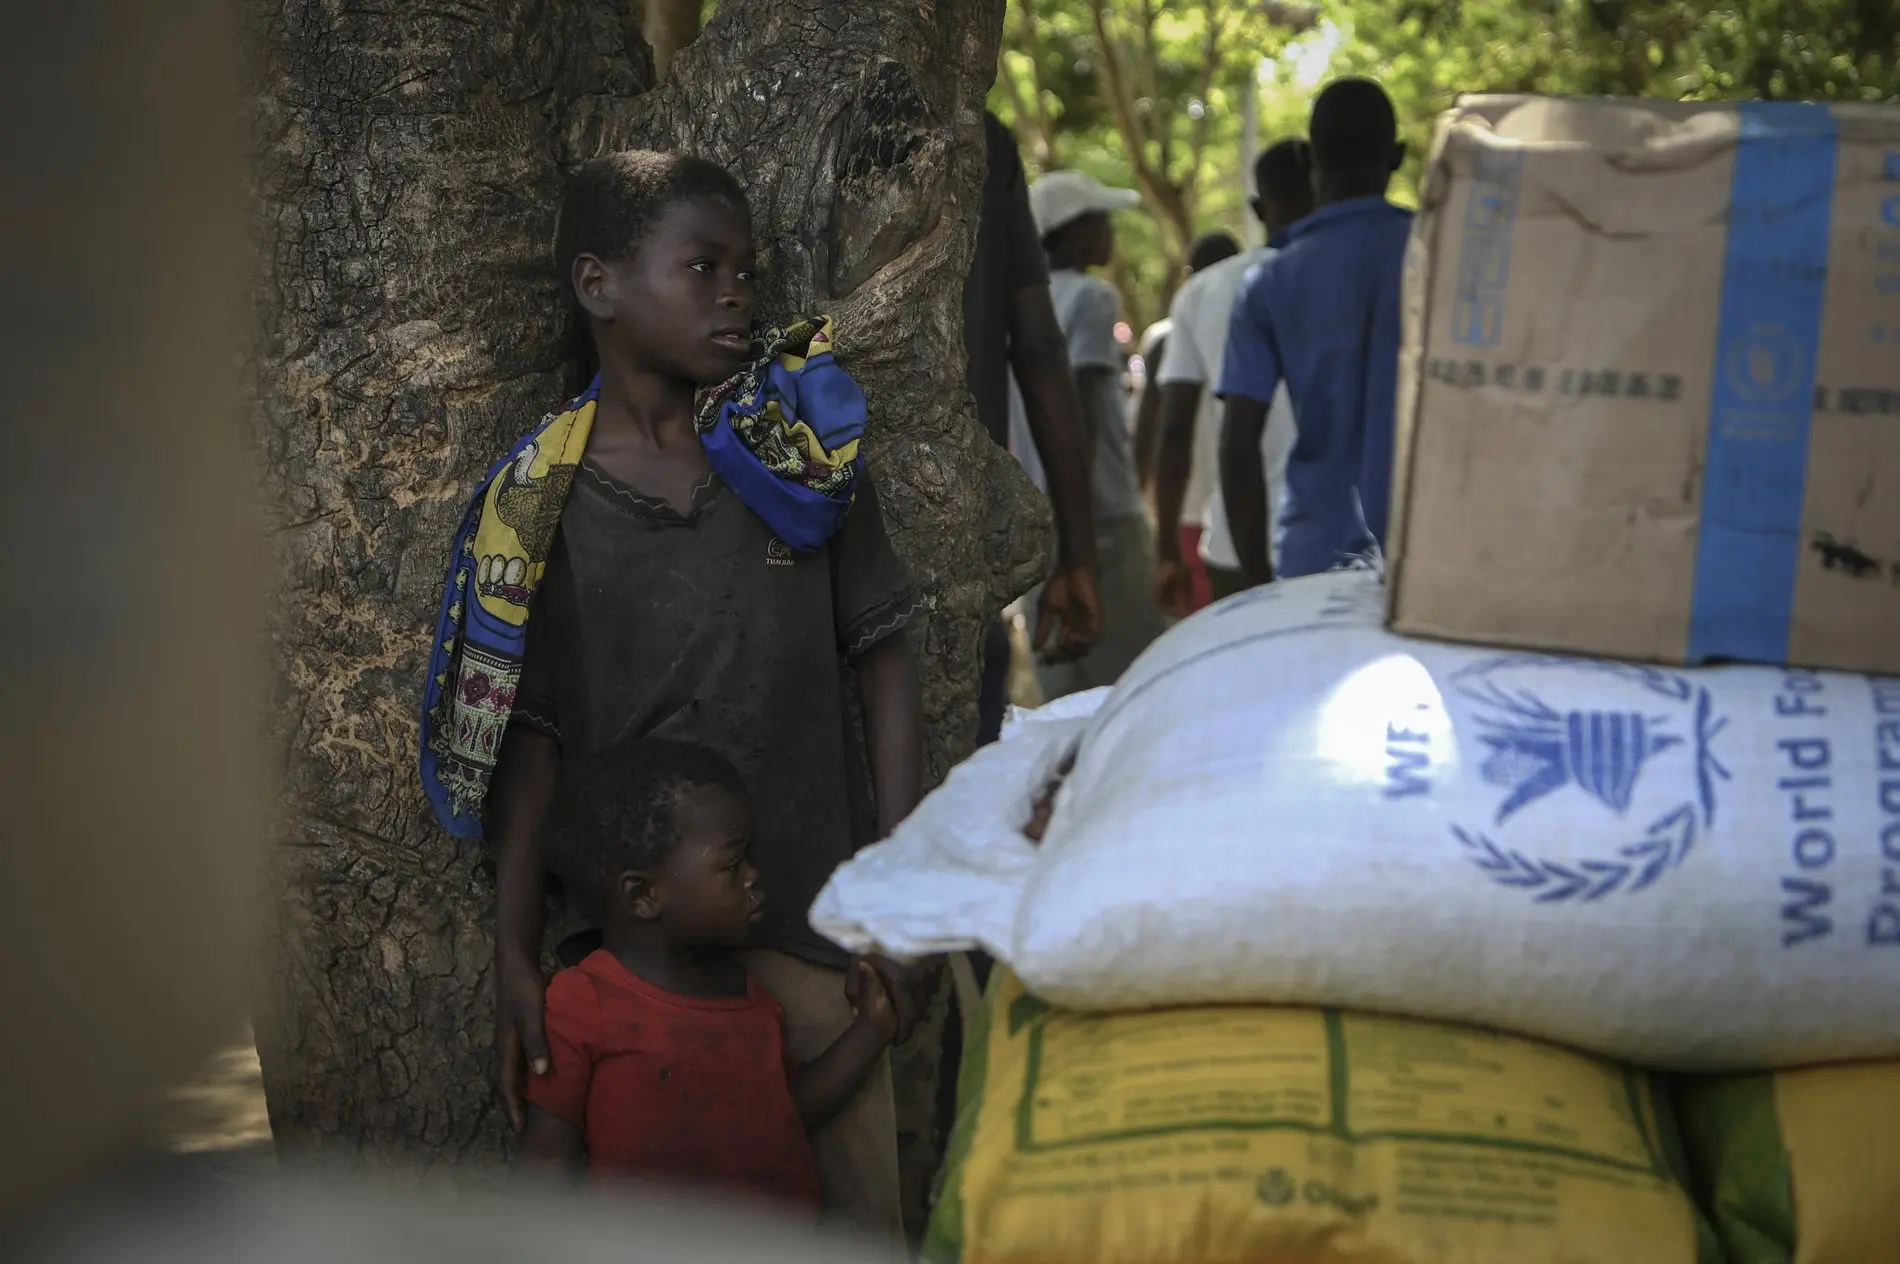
pixel 1118 97
pixel 1197 144
pixel 1045 126
pixel 1162 113
pixel 1120 101
pixel 1163 198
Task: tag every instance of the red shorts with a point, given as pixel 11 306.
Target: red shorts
pixel 1197 569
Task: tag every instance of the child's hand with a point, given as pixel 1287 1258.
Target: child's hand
pixel 1044 805
pixel 873 1007
pixel 1040 811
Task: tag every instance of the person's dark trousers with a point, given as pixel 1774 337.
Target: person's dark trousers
pixel 994 699
pixel 1224 582
pixel 991 704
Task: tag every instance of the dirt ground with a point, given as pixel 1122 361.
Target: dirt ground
pixel 218 1117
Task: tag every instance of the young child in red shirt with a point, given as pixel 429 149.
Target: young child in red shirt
pixel 668 1060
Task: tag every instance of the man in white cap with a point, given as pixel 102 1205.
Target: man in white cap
pixel 1072 211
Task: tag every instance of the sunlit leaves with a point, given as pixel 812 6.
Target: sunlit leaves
pixel 1426 52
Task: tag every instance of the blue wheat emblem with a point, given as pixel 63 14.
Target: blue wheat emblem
pixel 1537 750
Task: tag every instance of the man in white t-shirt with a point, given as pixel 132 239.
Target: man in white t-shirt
pixel 1187 471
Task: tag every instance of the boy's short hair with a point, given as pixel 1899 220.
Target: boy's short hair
pixel 612 202
pixel 1284 172
pixel 1210 248
pixel 1354 125
pixel 618 811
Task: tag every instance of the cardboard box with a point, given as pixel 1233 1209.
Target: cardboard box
pixel 1649 399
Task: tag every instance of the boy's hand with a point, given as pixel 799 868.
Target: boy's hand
pixel 1044 805
pixel 1040 811
pixel 521 1044
pixel 872 1006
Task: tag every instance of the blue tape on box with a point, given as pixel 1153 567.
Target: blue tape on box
pixel 1774 283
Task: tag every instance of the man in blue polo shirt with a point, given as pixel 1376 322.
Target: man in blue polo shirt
pixel 1322 316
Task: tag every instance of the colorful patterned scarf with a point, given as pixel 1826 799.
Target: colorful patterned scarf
pixel 783 433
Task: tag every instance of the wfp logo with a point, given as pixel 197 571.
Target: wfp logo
pixel 1275 1188
pixel 1539 751
pixel 1596 739
pixel 1766 365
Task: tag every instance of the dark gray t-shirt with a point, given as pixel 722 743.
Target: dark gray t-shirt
pixel 1008 258
pixel 706 628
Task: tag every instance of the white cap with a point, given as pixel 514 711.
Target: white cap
pixel 1062 197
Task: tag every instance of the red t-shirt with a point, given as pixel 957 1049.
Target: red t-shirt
pixel 681 1088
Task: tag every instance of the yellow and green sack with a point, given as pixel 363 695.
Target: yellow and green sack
pixel 1798 1167
pixel 1189 1136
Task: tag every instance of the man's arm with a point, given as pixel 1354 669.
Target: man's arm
pixel 893 727
pixel 894 732
pixel 1377 445
pixel 1183 374
pixel 528 766
pixel 1039 358
pixel 1180 403
pixel 873 600
pixel 1040 364
pixel 1249 376
pixel 1148 418
pixel 1243 485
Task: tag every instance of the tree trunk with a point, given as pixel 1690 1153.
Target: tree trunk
pixel 409 174
pixel 409 162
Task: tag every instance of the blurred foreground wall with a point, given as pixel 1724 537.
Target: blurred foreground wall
pixel 128 733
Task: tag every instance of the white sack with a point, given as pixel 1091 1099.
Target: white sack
pixel 1282 802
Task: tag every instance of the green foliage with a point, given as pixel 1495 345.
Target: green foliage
pixel 1428 52
pixel 1140 94
pixel 1054 84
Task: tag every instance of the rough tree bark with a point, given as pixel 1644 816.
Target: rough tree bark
pixel 411 157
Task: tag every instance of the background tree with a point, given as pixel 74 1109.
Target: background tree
pixel 1427 52
pixel 1113 87
pixel 410 162
pixel 1144 95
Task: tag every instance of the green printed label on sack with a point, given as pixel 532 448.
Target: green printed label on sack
pixel 1231 1133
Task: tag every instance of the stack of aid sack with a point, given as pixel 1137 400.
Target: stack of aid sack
pixel 1329 841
